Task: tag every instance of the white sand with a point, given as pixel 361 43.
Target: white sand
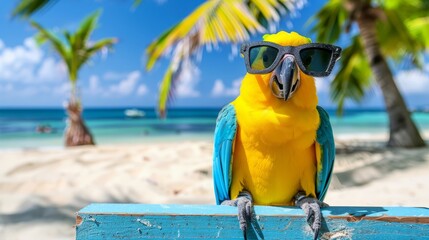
pixel 40 190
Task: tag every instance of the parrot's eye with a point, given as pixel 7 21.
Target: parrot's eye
pixel 306 61
pixel 262 57
pixel 269 56
pixel 315 59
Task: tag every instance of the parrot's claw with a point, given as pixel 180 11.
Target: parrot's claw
pixel 245 210
pixel 311 207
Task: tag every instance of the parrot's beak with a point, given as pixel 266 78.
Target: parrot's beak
pixel 285 78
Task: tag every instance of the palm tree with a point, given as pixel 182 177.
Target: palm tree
pixel 211 23
pixel 75 51
pixel 394 30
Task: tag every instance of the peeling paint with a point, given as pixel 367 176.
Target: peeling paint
pixel 287 226
pixel 147 223
pixel 79 220
pixel 383 218
pixel 92 219
pixel 218 232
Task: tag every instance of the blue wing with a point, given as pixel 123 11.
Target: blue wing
pixel 224 136
pixel 325 138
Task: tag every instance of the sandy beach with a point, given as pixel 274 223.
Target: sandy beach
pixel 40 190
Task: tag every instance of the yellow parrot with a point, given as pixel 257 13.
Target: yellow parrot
pixel 273 144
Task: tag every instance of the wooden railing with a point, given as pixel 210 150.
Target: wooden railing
pixel 142 221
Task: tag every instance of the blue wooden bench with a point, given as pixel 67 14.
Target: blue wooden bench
pixel 141 221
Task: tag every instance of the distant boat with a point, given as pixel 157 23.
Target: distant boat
pixel 134 113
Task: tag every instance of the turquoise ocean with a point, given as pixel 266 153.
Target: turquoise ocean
pixel 112 126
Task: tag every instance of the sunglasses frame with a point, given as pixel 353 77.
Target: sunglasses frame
pixel 294 50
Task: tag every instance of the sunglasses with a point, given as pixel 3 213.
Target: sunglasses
pixel 314 59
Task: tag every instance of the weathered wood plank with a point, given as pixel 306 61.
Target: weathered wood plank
pixel 141 221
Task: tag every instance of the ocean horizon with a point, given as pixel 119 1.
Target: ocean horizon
pixel 21 127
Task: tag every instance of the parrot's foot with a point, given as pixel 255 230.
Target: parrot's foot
pixel 244 203
pixel 311 207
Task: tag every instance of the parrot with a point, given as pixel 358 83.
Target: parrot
pixel 273 144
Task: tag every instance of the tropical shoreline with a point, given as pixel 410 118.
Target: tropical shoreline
pixel 18 127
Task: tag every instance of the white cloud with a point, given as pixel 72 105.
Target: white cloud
pixel 114 76
pixel 413 81
pixel 50 70
pixel 323 84
pixel 142 90
pixel 26 63
pixel 127 85
pixel 18 63
pixel 34 90
pixel 37 90
pixel 188 79
pixel 94 86
pixel 219 89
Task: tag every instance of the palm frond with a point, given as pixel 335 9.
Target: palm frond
pixel 418 27
pixel 353 77
pixel 86 28
pixel 330 22
pixel 165 91
pixel 417 21
pixel 94 48
pixel 215 22
pixel 44 35
pixel 136 3
pixel 212 23
pixel 402 30
pixel 403 42
pixel 60 47
pixel 209 23
pixel 26 8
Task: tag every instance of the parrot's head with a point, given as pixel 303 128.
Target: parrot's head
pixel 284 64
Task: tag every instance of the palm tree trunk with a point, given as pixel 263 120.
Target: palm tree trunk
pixel 76 133
pixel 403 131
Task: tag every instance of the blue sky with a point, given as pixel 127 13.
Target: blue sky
pixel 33 76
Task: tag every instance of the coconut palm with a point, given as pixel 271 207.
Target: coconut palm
pixel 386 32
pixel 75 51
pixel 211 23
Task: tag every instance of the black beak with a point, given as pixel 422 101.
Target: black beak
pixel 285 78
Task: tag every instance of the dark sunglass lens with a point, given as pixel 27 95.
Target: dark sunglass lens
pixel 262 57
pixel 316 59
